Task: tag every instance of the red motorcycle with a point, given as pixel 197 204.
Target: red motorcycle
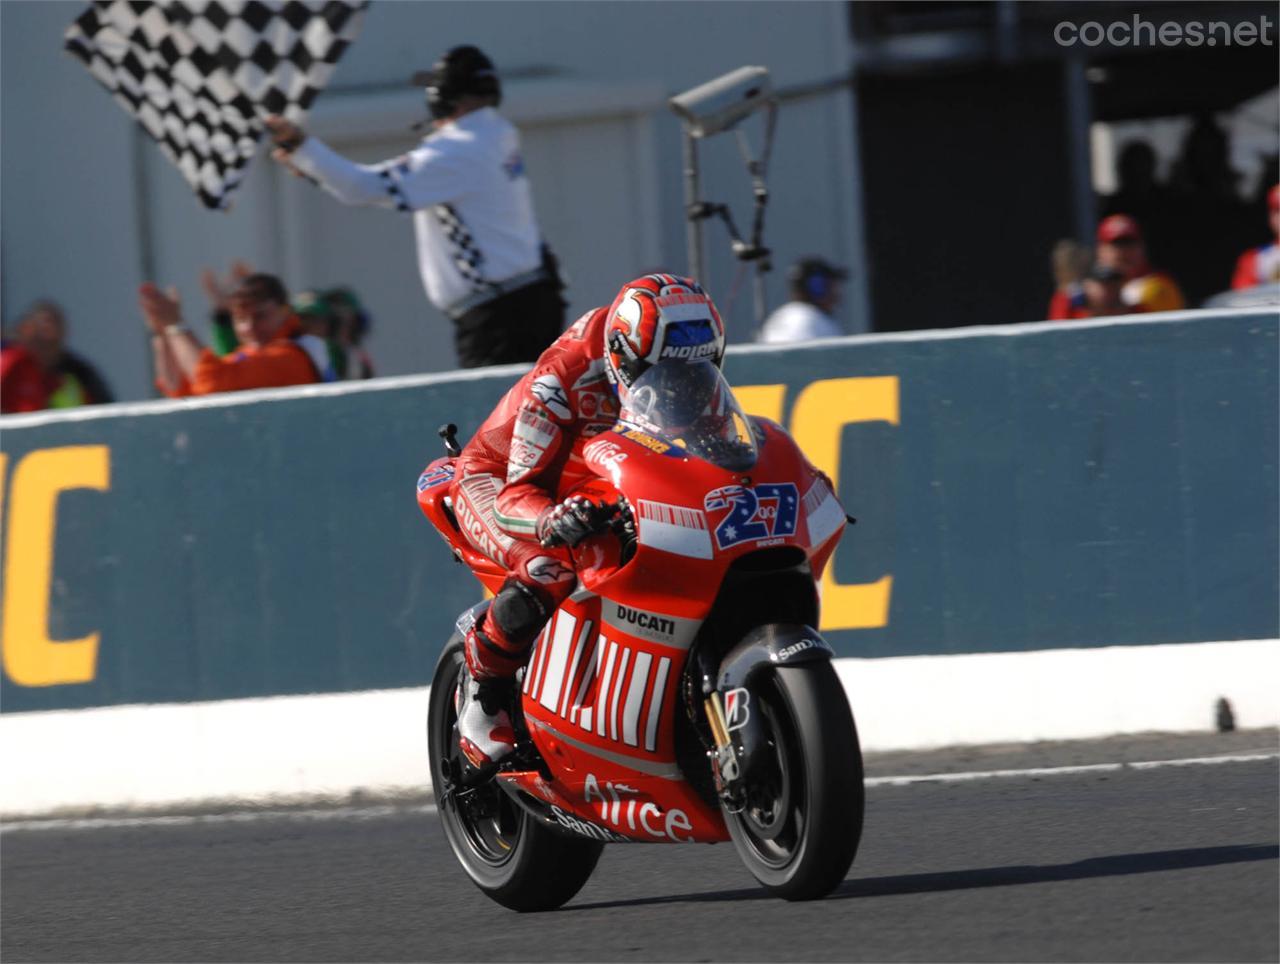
pixel 681 694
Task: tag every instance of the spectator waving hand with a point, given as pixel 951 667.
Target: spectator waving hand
pixel 266 356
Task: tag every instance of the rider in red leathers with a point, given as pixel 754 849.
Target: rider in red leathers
pixel 514 474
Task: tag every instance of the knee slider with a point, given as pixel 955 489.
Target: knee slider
pixel 517 612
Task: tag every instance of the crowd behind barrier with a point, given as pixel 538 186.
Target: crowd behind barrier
pixel 1164 244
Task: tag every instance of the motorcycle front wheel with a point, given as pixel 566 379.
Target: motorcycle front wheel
pixel 507 854
pixel 802 822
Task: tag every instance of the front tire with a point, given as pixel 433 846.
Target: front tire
pixel 507 854
pixel 800 829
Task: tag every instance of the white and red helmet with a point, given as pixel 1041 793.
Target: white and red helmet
pixel 660 317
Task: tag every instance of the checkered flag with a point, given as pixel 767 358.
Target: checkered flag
pixel 199 74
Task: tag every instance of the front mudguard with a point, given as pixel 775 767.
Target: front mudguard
pixel 763 649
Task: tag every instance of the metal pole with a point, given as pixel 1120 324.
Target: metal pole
pixel 759 292
pixel 691 189
pixel 143 210
pixel 1079 120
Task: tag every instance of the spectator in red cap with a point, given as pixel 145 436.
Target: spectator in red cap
pixel 1260 266
pixel 1120 246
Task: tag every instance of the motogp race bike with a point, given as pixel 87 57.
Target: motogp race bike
pixel 681 693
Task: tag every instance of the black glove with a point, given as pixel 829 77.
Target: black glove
pixel 571 521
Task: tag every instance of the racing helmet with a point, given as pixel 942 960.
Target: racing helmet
pixel 659 317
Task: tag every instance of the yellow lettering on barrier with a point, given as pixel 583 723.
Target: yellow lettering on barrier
pixel 31 658
pixel 762 400
pixel 818 418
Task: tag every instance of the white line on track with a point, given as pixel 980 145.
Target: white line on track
pixel 209 819
pixel 377 812
pixel 1065 771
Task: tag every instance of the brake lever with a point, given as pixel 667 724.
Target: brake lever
pixel 620 520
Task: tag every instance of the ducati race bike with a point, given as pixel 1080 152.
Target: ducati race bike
pixel 681 693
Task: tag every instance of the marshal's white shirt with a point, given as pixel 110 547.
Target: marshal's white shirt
pixel 798 321
pixel 466 187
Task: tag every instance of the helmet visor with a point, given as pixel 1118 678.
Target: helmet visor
pixel 690 405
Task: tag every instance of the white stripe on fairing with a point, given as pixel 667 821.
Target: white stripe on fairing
pixel 530 665
pixel 694 543
pixel 620 681
pixel 544 653
pixel 825 520
pixel 635 696
pixel 535 659
pixel 377 812
pixel 655 704
pixel 676 515
pixel 588 674
pixel 602 691
pixel 561 639
pixel 579 645
pixel 1066 771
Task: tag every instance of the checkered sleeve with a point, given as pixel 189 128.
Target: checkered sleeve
pixel 420 179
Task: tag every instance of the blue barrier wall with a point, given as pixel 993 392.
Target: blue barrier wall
pixel 1029 488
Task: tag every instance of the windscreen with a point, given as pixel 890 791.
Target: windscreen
pixel 690 405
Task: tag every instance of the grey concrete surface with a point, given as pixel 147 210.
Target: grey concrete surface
pixel 1170 864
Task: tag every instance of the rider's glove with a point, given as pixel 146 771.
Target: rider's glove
pixel 570 522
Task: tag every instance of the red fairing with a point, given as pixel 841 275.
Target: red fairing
pixel 535 436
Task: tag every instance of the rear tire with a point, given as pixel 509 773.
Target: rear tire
pixel 515 860
pixel 800 830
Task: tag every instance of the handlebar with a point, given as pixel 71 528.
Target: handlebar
pixel 617 518
pixel 623 525
pixel 449 432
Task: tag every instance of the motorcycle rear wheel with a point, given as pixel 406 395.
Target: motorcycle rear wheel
pixel 507 854
pixel 802 824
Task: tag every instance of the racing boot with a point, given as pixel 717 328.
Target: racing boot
pixel 485 734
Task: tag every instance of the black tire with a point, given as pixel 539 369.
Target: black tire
pixel 800 830
pixel 510 856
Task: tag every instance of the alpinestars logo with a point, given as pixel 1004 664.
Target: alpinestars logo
pixel 548 571
pixel 737 709
pixel 548 390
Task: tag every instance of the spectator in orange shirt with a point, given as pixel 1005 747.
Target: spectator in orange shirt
pixel 265 358
pixel 1120 246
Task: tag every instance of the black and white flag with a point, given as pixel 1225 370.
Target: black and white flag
pixel 200 74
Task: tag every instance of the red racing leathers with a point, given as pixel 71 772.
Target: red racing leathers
pixel 524 459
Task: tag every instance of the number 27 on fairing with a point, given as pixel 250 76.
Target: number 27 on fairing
pixel 765 512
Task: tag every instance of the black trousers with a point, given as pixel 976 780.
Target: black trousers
pixel 516 327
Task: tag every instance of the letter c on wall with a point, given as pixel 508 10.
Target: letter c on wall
pixel 818 418
pixel 31 658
